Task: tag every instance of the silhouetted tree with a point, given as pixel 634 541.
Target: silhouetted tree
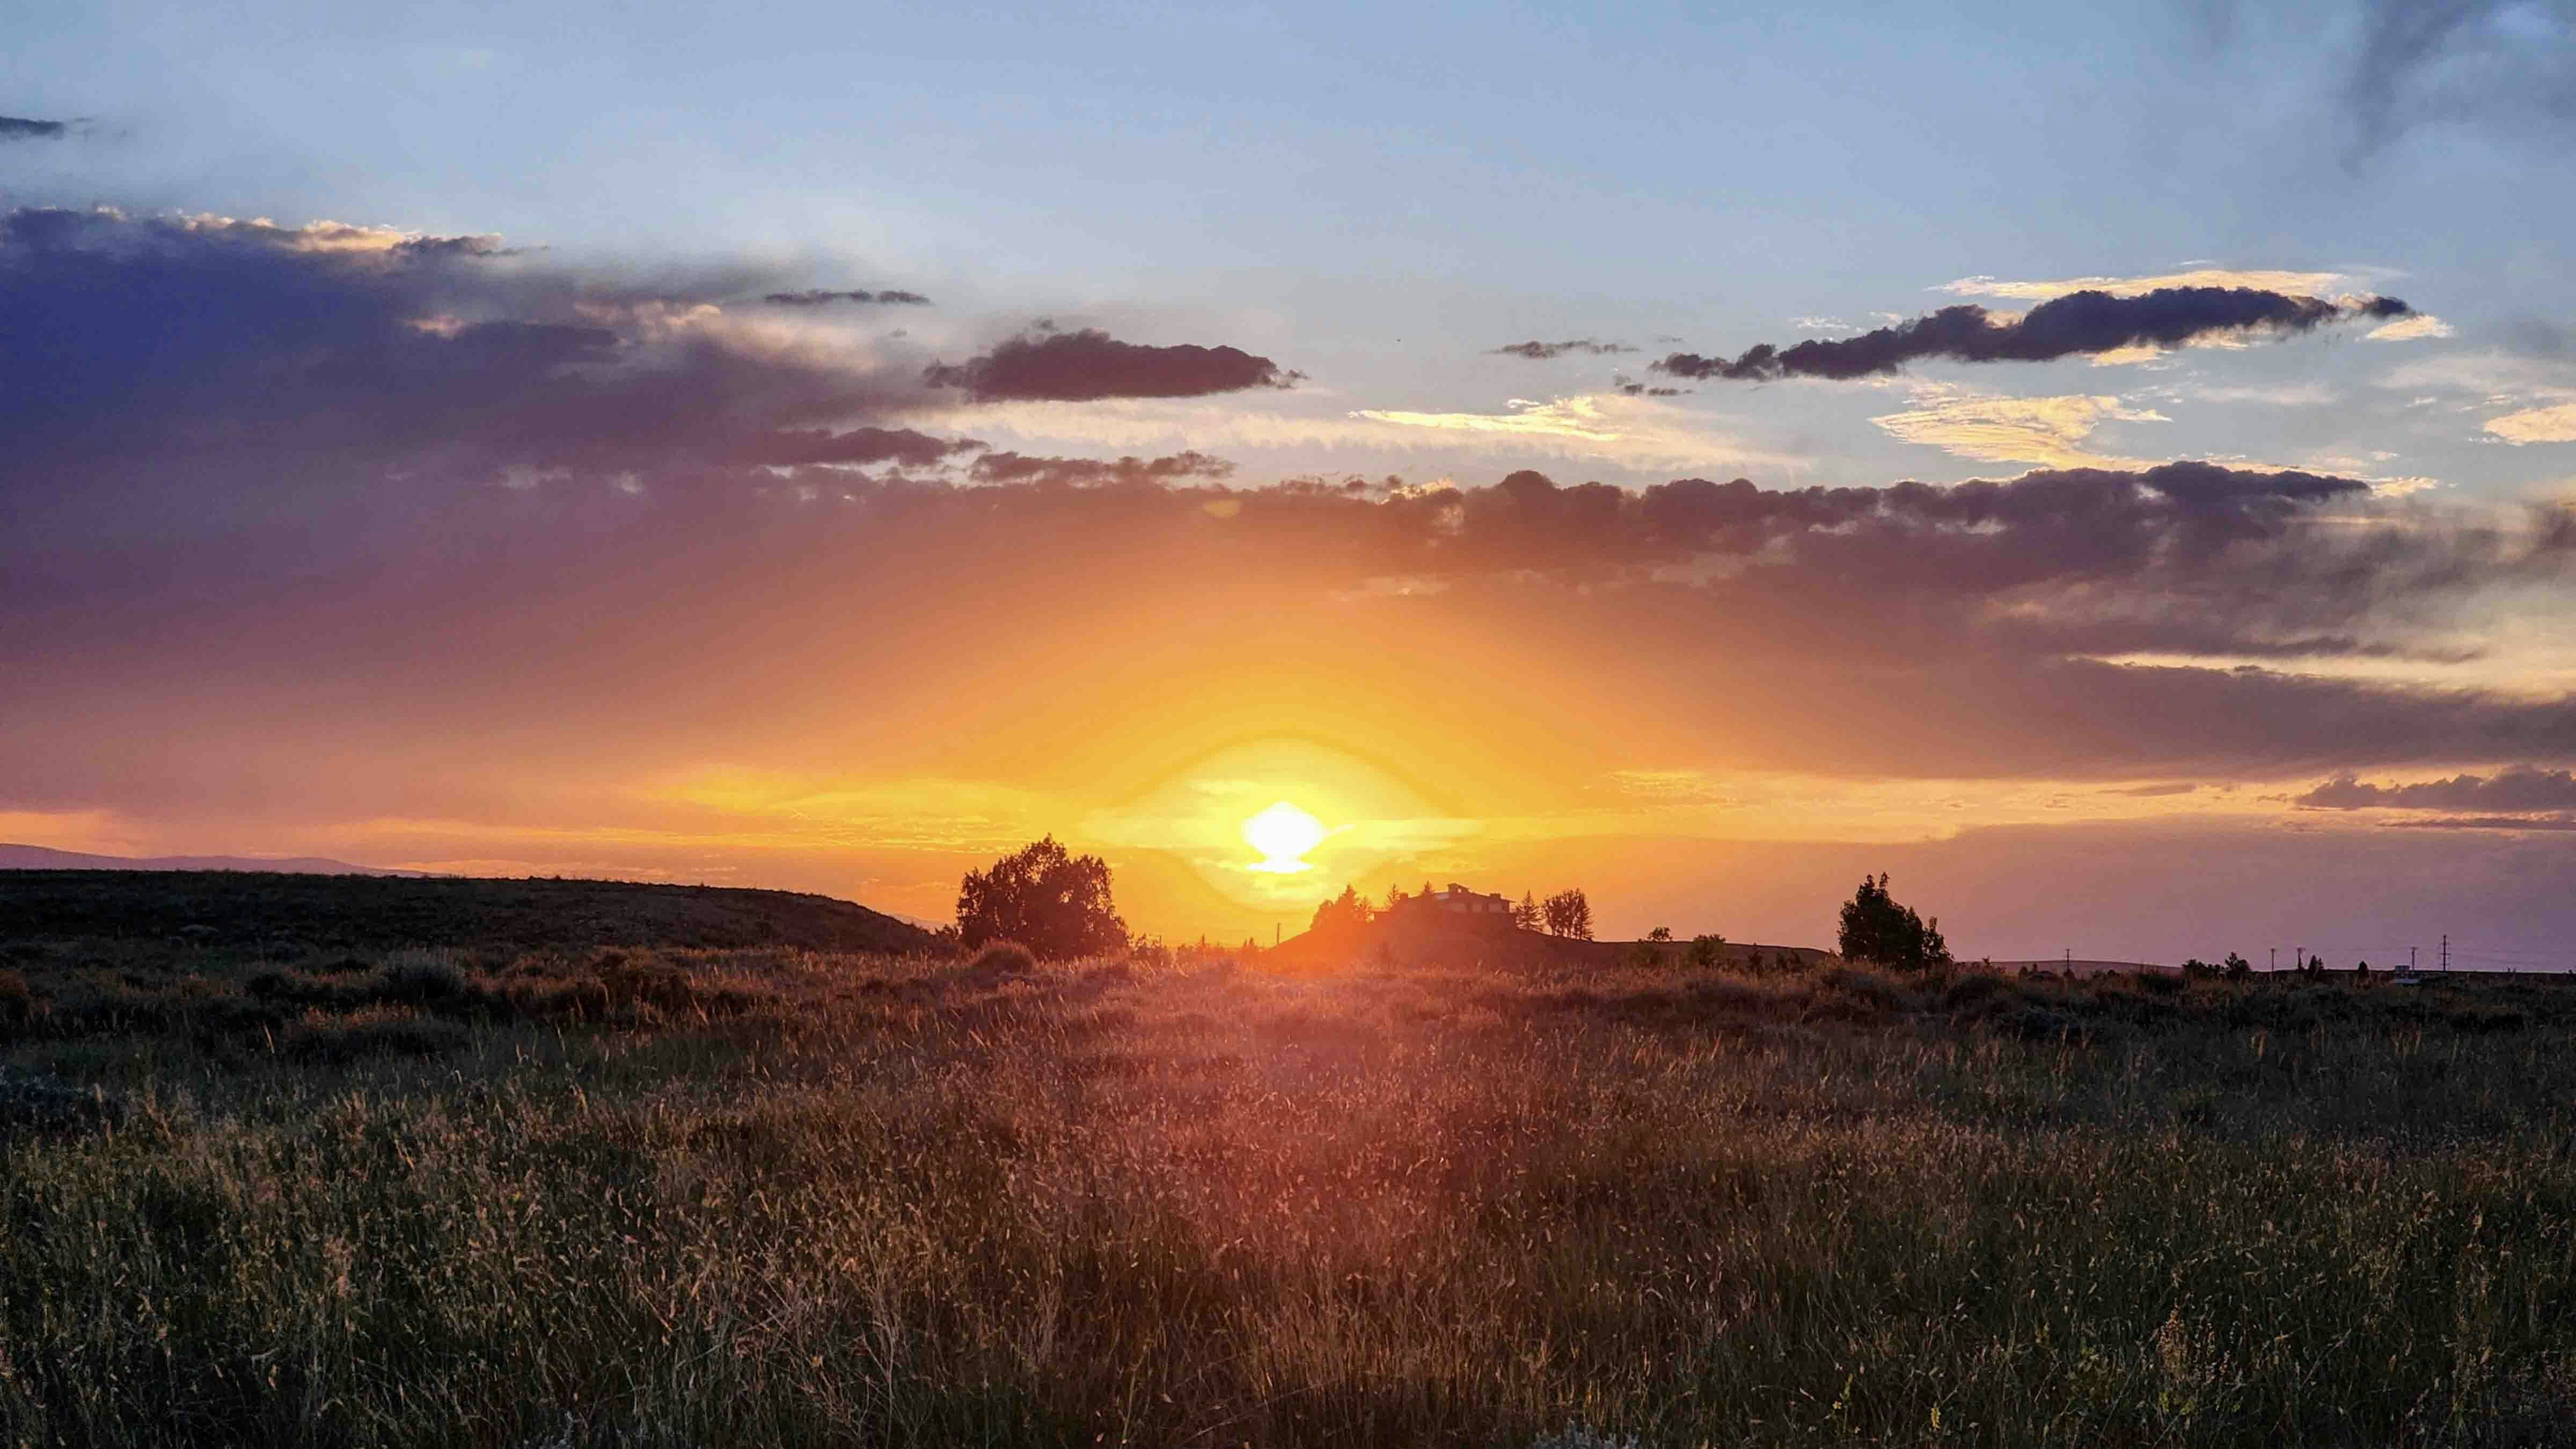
pixel 2236 967
pixel 1343 916
pixel 1704 950
pixel 1395 896
pixel 1048 899
pixel 1569 914
pixel 1525 915
pixel 1660 933
pixel 1875 928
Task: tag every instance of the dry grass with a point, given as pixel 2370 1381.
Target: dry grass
pixel 835 1199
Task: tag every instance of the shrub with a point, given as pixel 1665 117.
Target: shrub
pixel 19 1004
pixel 369 1032
pixel 1866 986
pixel 1705 950
pixel 1003 958
pixel 1974 990
pixel 422 978
pixel 45 1105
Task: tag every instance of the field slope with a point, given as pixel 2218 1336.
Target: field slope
pixel 254 909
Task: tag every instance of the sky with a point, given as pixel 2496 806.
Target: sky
pixel 2115 472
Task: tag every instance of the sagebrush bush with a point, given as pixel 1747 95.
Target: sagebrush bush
pixel 373 1031
pixel 1003 958
pixel 19 1004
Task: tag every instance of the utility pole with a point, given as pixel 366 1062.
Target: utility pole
pixel 2446 951
pixel 2276 959
pixel 2410 960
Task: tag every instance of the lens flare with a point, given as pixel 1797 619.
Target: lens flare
pixel 1283 834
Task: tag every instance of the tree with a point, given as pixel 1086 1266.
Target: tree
pixel 1876 928
pixel 1705 950
pixel 1569 915
pixel 2236 967
pixel 1344 916
pixel 1395 897
pixel 1660 933
pixel 1525 915
pixel 1048 899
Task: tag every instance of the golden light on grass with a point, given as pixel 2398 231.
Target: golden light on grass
pixel 1283 834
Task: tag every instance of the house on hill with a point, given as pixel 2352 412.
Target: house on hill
pixel 1459 900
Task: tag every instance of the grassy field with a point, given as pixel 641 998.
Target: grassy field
pixel 768 1196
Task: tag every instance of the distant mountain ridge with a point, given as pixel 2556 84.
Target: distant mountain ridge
pixel 44 857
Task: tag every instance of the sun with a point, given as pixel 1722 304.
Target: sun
pixel 1283 834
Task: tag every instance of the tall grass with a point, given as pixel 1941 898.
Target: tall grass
pixel 886 1202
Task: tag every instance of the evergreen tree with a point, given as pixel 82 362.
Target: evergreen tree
pixel 1876 928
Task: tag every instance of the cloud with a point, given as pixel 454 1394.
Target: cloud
pixel 2409 329
pixel 2492 61
pixel 2048 431
pixel 1089 364
pixel 242 348
pixel 802 447
pixel 1546 351
pixel 2537 425
pixel 815 297
pixel 1094 472
pixel 2520 789
pixel 2278 395
pixel 2299 284
pixel 251 494
pixel 21 128
pixel 1631 424
pixel 2494 822
pixel 2074 324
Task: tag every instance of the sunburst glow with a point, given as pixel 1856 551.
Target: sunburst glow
pixel 1283 834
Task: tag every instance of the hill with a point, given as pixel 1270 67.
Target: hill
pixel 370 912
pixel 1425 937
pixel 45 857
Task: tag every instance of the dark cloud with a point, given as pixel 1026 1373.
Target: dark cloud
pixel 2077 323
pixel 2421 61
pixel 2510 790
pixel 2494 822
pixel 21 128
pixel 1546 351
pixel 144 347
pixel 816 297
pixel 1088 365
pixel 1633 388
pixel 798 447
pixel 1094 472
